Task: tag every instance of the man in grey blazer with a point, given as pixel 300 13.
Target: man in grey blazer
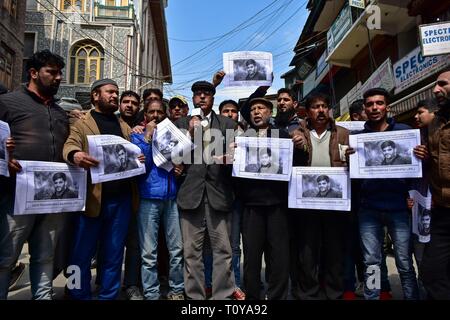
pixel 205 199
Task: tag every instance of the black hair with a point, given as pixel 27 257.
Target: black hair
pixel 44 58
pixel 223 103
pixel 289 92
pixel 149 91
pixel 429 104
pixel 317 96
pixel 250 61
pixel 59 175
pixel 129 93
pixel 387 143
pixel 377 92
pixel 357 106
pixel 149 102
pixel 323 177
pixel 119 148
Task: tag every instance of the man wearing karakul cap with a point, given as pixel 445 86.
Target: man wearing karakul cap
pixel 205 199
pixel 108 204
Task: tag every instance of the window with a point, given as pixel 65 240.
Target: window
pixel 6 66
pixel 31 5
pixel 70 5
pixel 11 7
pixel 28 50
pixel 86 62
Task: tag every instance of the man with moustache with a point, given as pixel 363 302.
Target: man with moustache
pixel 108 205
pixel 158 210
pixel 178 108
pixel 435 267
pixel 129 107
pixel 205 199
pixel 40 128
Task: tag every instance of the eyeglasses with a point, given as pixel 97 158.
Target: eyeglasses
pixel 175 105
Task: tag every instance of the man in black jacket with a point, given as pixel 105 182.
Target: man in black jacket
pixel 206 200
pixel 40 128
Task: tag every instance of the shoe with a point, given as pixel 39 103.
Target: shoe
pixel 349 295
pixel 175 296
pixel 385 295
pixel 133 293
pixel 16 273
pixel 208 293
pixel 359 291
pixel 238 294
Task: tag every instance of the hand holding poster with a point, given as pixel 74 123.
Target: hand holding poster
pixel 247 68
pixel 49 187
pixel 421 217
pixel 320 188
pixel 168 142
pixel 263 158
pixel 117 156
pixel 4 134
pixel 386 154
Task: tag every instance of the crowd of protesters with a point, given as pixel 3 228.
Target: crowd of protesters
pixel 184 226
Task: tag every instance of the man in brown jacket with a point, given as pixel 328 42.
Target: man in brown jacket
pixel 435 267
pixel 321 232
pixel 108 204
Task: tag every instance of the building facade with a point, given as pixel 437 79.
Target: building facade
pixel 12 26
pixel 97 38
pixel 348 46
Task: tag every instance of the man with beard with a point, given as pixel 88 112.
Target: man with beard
pixel 62 190
pixel 435 267
pixel 383 203
pixel 391 157
pixel 158 210
pixel 129 107
pixel 40 128
pixel 108 205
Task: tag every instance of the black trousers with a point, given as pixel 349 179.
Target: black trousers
pixel 435 266
pixel 265 230
pixel 322 245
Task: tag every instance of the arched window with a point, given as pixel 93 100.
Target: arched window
pixel 86 62
pixel 70 5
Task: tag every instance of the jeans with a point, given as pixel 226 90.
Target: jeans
pixel 110 229
pixel 152 214
pixel 371 224
pixel 42 233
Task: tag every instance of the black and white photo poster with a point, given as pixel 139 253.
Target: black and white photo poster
pixel 421 215
pixel 320 188
pixel 118 158
pixel 4 134
pixel 247 68
pixel 169 142
pixel 386 154
pixel 49 187
pixel 263 158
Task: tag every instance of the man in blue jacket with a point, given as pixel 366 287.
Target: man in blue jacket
pixel 383 202
pixel 158 207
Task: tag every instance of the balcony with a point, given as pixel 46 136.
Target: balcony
pixel 354 37
pixel 114 12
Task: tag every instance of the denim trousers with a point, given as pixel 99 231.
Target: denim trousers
pixel 42 232
pixel 109 229
pixel 371 223
pixel 154 213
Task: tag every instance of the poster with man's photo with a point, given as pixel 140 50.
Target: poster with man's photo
pixel 4 134
pixel 387 154
pixel 421 215
pixel 168 143
pixel 263 158
pixel 352 126
pixel 49 187
pixel 320 188
pixel 247 68
pixel 118 158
